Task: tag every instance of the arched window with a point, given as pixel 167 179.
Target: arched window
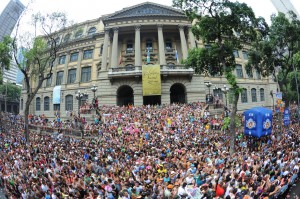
pixel 92 31
pixel 38 104
pixel 262 94
pixel 78 34
pixel 67 37
pixel 253 95
pixel 69 103
pixel 244 96
pixel 46 103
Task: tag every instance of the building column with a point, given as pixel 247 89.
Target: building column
pixel 137 46
pixel 192 38
pixel 114 56
pixel 183 42
pixel 78 70
pixel 105 50
pixel 161 45
pixel 66 72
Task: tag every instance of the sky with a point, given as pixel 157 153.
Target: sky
pixel 79 11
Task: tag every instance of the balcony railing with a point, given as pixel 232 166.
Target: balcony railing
pixel 136 71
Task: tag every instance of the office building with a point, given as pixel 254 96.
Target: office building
pixel 285 6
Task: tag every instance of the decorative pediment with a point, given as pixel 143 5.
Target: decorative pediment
pixel 146 9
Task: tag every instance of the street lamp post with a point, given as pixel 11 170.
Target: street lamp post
pixel 94 89
pixel 225 90
pixel 208 98
pixel 79 95
pixel 208 85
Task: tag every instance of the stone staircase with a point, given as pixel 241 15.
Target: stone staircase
pixel 215 110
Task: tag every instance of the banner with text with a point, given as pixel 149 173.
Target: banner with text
pixel 151 80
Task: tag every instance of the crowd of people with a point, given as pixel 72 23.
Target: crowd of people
pixel 168 151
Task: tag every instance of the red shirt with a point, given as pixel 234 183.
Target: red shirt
pixel 220 191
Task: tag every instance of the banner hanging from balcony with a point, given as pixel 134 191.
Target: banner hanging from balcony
pixel 56 94
pixel 151 80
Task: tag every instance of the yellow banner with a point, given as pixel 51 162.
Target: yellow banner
pixel 151 80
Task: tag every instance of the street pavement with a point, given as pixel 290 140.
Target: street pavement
pixel 2 193
pixel 295 191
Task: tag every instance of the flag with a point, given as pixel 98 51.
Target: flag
pixel 176 54
pixel 148 56
pixel 120 60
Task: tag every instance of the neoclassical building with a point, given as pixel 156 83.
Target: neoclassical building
pixel 112 51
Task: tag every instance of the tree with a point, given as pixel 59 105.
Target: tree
pixel 13 91
pixel 226 26
pixel 40 54
pixel 276 54
pixel 5 55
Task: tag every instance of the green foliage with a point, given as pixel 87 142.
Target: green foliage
pixel 5 54
pixel 226 123
pixel 13 91
pixel 224 25
pixel 277 51
pixel 36 57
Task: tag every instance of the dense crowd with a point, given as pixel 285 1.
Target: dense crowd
pixel 170 151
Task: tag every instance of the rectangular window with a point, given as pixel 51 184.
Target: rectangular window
pixel 56 107
pixel 86 74
pixel 69 103
pixel 129 48
pixel 245 54
pixel 239 71
pixel 236 53
pixel 49 81
pixel 74 57
pixel 88 54
pixel 62 59
pixel 59 77
pixel 71 76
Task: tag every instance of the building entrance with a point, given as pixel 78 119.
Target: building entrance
pixel 177 93
pixel 152 100
pixel 125 96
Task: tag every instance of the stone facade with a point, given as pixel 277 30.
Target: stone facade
pixel 110 51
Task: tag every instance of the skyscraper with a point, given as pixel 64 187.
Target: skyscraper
pixel 10 16
pixel 285 6
pixel 8 20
